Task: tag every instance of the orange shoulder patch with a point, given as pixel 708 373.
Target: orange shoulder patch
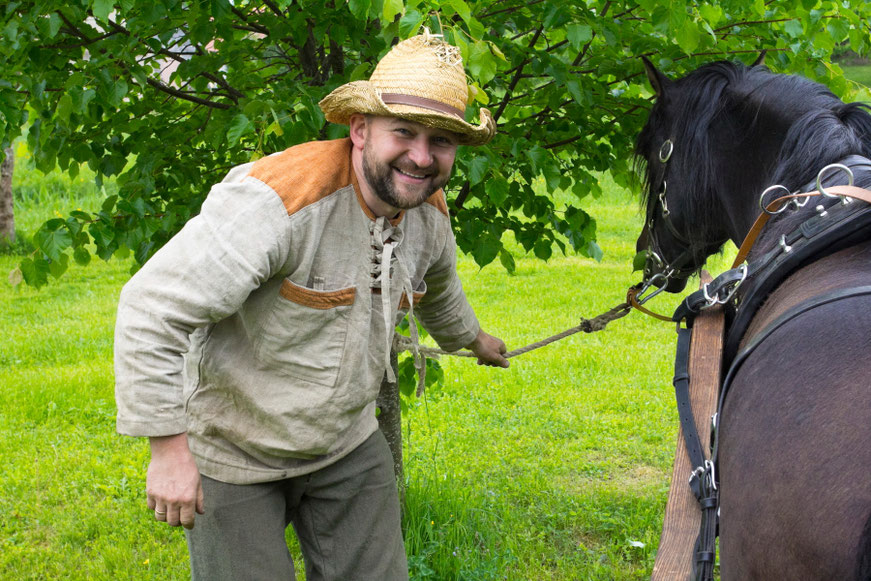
pixel 438 200
pixel 303 174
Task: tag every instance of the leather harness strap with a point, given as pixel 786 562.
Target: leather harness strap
pixel 775 205
pixel 830 229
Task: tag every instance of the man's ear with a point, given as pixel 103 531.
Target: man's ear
pixel 357 124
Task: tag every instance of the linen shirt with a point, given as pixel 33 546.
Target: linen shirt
pixel 259 329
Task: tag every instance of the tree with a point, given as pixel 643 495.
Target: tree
pixel 7 211
pixel 166 95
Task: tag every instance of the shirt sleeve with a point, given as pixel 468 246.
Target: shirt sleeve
pixel 444 310
pixel 203 274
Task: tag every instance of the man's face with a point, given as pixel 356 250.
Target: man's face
pixel 405 162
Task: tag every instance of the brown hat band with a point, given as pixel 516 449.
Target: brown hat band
pixel 422 102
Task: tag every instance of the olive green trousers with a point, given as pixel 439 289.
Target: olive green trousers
pixel 346 517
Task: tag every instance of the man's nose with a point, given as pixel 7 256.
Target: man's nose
pixel 420 153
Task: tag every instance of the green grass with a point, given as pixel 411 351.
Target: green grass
pixel 859 73
pixel 556 468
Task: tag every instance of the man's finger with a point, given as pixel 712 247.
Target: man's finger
pixel 187 516
pixel 172 516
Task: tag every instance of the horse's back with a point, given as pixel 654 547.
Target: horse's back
pixel 794 458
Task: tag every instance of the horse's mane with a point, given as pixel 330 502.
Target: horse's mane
pixel 822 130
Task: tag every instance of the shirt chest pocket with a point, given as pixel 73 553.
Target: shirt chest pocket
pixel 305 333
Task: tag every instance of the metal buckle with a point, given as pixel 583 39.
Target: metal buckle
pixel 663 202
pixel 732 288
pixel 649 283
pixel 711 470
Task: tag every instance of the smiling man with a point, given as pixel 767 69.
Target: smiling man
pixel 251 348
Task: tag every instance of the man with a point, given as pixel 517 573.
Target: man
pixel 251 348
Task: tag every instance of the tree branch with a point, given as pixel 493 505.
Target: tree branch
pixel 510 8
pixel 750 22
pixel 461 197
pixel 182 95
pixel 274 8
pixel 516 79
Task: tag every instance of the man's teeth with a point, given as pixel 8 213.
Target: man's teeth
pixel 411 175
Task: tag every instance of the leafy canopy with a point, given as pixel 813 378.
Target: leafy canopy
pixel 166 95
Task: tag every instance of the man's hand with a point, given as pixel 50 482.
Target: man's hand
pixel 489 349
pixel 172 486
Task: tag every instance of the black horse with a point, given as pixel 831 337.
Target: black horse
pixel 794 442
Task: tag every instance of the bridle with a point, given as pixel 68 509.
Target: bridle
pixel 688 260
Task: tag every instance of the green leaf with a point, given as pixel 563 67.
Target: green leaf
pixel 360 8
pixel 410 23
pixel 639 261
pixel 497 190
pixel 102 9
pixel 35 271
pixel 543 249
pixel 82 256
pixel 712 13
pixel 576 91
pixel 687 37
pixel 64 108
pixel 392 8
pixel 462 9
pixel 481 62
pixel 507 261
pixel 360 72
pixel 793 28
pixel 838 28
pixel 486 249
pixel 537 155
pixel 239 126
pixel 53 240
pixel 57 267
pixel 594 251
pixel 54 23
pixel 478 169
pixel 579 35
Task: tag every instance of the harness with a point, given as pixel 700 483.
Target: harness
pixel 826 231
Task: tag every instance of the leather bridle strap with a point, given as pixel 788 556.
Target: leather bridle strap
pixel 633 301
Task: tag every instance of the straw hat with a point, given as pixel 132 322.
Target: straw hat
pixel 421 79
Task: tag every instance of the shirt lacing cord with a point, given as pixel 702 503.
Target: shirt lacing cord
pixel 385 263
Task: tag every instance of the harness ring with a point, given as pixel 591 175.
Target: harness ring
pixel 665 150
pixel 837 166
pixel 765 207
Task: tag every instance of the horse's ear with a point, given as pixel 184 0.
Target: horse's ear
pixel 760 60
pixel 658 81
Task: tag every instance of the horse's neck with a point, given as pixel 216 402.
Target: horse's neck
pixel 741 209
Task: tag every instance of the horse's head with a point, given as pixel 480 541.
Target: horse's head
pixel 715 140
pixel 676 151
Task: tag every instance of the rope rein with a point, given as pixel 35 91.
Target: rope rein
pixel 402 343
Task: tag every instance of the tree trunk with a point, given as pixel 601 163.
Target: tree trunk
pixel 390 423
pixel 7 213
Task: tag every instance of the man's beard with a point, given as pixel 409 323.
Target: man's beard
pixel 379 176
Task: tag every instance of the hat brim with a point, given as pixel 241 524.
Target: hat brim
pixel 362 97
